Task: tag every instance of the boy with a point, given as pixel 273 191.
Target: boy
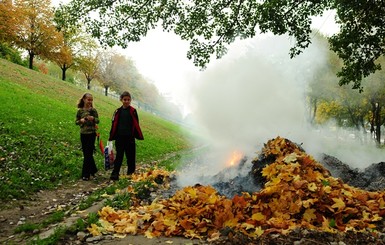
pixel 124 130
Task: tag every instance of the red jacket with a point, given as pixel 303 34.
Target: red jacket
pixel 136 131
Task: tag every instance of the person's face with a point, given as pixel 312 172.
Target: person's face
pixel 88 101
pixel 126 100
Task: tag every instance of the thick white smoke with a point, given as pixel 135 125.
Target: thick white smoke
pixel 253 94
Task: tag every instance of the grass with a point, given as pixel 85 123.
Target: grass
pixel 40 143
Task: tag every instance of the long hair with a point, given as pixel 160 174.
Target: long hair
pixel 81 100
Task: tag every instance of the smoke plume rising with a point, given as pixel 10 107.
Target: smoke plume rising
pixel 256 93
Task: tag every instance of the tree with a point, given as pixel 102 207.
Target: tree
pixel 112 70
pixel 34 30
pixel 375 96
pixel 347 107
pixel 76 45
pixel 211 25
pixel 89 64
pixel 8 18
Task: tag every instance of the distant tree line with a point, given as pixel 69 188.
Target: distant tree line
pixel 34 27
pixel 362 111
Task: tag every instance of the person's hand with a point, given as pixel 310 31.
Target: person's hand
pixel 90 118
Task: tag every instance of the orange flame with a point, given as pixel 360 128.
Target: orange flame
pixel 235 158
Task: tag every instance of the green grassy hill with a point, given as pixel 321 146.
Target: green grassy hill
pixel 40 143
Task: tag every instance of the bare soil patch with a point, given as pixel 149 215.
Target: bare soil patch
pixel 44 203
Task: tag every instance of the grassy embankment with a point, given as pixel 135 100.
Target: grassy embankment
pixel 40 144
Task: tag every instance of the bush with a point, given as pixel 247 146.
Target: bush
pixel 11 54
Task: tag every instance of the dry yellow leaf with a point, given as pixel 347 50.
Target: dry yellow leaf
pixel 309 214
pixel 312 186
pixel 290 158
pixel 231 222
pixel 338 203
pixel 259 231
pixel 247 226
pixel 94 230
pixel 258 216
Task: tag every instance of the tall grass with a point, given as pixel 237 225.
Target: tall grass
pixel 40 143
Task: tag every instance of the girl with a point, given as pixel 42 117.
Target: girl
pixel 87 118
pixel 124 130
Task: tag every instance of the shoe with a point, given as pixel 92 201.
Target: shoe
pixel 85 178
pixel 114 177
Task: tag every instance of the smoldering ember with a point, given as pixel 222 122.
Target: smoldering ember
pixel 245 176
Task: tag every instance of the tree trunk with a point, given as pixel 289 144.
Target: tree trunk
pixel 63 73
pixel 88 83
pixel 31 56
pixel 312 119
pixel 378 123
pixel 372 121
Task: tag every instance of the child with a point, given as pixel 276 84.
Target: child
pixel 87 118
pixel 124 130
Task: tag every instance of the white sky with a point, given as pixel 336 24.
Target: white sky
pixel 161 58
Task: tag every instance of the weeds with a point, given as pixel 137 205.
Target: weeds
pixel 30 227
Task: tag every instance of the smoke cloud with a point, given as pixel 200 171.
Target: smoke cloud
pixel 256 93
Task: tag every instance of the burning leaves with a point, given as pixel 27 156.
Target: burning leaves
pixel 298 193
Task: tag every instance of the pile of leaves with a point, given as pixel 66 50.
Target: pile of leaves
pixel 298 193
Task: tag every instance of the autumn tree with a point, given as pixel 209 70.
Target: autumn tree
pixel 88 63
pixel 8 18
pixel 349 108
pixel 211 25
pixel 76 45
pixel 112 70
pixel 34 30
pixel 374 94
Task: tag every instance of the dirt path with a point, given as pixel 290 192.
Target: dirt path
pixel 42 205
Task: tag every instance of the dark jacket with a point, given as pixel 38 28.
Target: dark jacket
pixel 136 131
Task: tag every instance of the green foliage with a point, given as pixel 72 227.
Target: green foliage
pixel 27 227
pixel 332 223
pixel 53 239
pixel 54 218
pixel 30 227
pixel 92 218
pixel 143 189
pixel 120 201
pixel 211 25
pixel 363 19
pixel 80 224
pixel 9 53
pixel 40 143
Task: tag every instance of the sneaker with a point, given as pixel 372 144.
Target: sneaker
pixel 85 178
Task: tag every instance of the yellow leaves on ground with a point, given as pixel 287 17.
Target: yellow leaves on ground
pixel 299 192
pixel 309 215
pixel 338 203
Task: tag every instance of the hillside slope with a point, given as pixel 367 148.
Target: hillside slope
pixel 40 144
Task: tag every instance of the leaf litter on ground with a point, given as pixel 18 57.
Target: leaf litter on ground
pixel 298 193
